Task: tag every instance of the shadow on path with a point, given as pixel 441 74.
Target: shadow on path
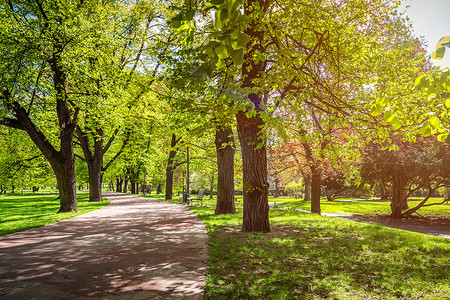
pixel 134 248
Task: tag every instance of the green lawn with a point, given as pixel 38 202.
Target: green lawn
pixel 307 256
pixel 351 206
pixel 19 213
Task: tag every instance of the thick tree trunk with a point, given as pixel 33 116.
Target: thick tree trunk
pixel 225 162
pixel 95 180
pixel 315 191
pixel 94 160
pixel 254 161
pixel 170 168
pixel 398 202
pixel 65 178
pixel 307 180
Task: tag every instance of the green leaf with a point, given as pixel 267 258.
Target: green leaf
pixel 243 39
pixel 189 38
pixel 238 56
pixel 235 45
pixel 218 23
pixel 223 15
pixel 220 64
pixel 374 110
pixel 176 21
pixel 427 131
pixel 447 102
pixel 442 137
pixel 439 53
pixel 435 122
pixel 200 71
pixel 394 121
pixel 190 15
pixel 222 52
pixel 420 81
pixel 217 2
pixel 443 41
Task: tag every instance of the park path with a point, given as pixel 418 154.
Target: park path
pixel 134 248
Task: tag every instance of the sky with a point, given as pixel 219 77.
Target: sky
pixel 430 19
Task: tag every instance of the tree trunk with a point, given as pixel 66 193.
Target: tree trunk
pixel 398 202
pixel 277 189
pixel 133 187
pixel 119 182
pixel 315 191
pixel 95 180
pixel 94 160
pixel 254 161
pixel 64 168
pixel 307 180
pixel 125 185
pixel 159 188
pixel 170 168
pixel 225 170
pixel 62 161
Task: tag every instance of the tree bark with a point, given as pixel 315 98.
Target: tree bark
pixel 94 160
pixel 315 191
pixel 159 188
pixel 225 170
pixel 307 179
pixel 119 182
pixel 254 161
pixel 171 167
pixel 398 202
pixel 125 185
pixel 277 189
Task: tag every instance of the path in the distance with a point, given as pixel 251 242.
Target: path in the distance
pixel 134 248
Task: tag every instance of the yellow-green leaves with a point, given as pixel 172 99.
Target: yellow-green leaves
pixel 440 47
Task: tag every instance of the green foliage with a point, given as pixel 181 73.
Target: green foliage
pixel 38 209
pixel 295 189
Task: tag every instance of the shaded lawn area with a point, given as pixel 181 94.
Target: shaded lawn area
pixel 307 256
pixel 351 206
pixel 38 209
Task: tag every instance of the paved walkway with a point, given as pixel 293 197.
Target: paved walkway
pixel 134 248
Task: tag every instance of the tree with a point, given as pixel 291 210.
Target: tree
pixel 414 166
pixel 39 40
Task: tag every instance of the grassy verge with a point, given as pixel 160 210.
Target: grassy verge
pixel 19 213
pixel 308 256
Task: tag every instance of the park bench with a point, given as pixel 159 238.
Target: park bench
pixel 198 198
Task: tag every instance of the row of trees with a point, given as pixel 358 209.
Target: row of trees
pixel 121 87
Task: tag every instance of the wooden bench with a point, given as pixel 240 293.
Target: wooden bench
pixel 198 198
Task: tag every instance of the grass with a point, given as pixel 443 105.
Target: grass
pixel 19 213
pixel 350 206
pixel 307 256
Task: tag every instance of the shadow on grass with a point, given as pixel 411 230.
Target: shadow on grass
pixel 308 256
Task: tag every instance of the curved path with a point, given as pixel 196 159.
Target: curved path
pixel 134 248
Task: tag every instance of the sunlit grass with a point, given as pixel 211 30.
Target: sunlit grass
pixel 351 206
pixel 19 213
pixel 307 256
